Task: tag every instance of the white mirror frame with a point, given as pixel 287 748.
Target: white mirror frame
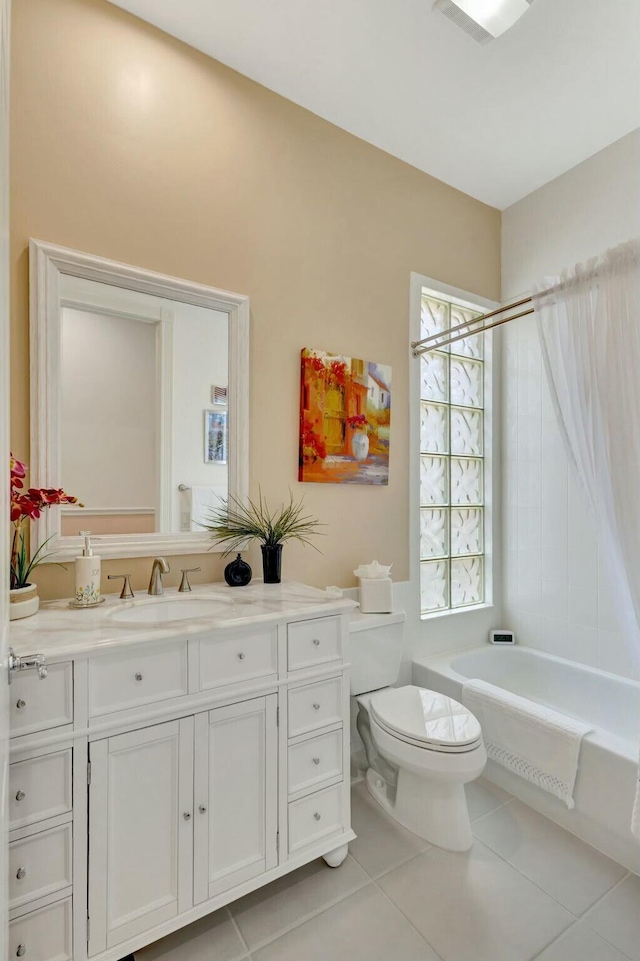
pixel 47 263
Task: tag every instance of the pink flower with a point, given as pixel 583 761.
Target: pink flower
pixel 28 506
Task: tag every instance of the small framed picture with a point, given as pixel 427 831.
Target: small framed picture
pixel 219 396
pixel 215 436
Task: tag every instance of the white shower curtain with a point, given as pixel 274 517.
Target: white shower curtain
pixel 589 327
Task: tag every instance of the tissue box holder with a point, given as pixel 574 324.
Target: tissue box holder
pixel 376 595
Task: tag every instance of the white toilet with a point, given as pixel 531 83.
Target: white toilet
pixel 422 747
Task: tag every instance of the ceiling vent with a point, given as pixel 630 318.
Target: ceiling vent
pixel 483 20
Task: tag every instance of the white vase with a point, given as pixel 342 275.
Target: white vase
pixel 23 601
pixel 360 446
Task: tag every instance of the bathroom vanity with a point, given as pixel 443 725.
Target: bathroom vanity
pixel 182 751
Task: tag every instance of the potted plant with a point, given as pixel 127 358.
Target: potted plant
pixel 360 440
pixel 234 523
pixel 25 506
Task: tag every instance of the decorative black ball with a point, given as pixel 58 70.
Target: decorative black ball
pixel 237 573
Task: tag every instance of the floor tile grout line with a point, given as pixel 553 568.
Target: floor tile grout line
pixel 577 837
pixel 397 864
pixel 555 940
pixel 486 814
pixel 236 928
pixel 577 917
pixel 259 945
pixel 401 912
pixel 595 904
pixel 564 934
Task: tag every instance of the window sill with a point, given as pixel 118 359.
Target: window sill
pixel 472 608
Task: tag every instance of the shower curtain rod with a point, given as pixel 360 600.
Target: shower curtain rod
pixel 418 346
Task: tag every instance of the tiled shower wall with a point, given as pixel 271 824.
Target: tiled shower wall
pixel 557 595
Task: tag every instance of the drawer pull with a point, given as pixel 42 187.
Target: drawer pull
pixel 316 707
pixel 241 657
pixel 202 809
pixel 317 816
pixel 316 642
pixel 20 796
pixel 187 815
pixel 316 760
pixel 21 873
pixel 22 950
pixel 138 676
pixel 20 704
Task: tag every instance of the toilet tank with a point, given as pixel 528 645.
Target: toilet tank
pixel 376 642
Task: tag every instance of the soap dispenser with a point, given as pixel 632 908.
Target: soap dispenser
pixel 87 575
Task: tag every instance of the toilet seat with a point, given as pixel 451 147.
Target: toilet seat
pixel 426 719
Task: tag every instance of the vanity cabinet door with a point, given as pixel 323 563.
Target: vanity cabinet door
pixel 141 824
pixel 235 795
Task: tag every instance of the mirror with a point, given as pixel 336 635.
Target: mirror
pixel 139 403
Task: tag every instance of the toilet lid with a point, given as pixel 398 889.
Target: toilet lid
pixel 427 717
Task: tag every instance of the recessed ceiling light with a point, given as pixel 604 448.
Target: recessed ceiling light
pixel 484 19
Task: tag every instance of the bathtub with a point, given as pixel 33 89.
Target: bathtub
pixel 605 786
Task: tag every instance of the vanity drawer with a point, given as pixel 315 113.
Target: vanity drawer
pixel 315 760
pixel 36 705
pixel 313 642
pixel 43 935
pixel 39 865
pixel 39 787
pixel 237 656
pixel 131 677
pixel 315 705
pixel 315 816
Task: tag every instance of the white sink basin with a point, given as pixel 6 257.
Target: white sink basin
pixel 170 610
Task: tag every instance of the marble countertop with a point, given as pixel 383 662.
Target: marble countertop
pixel 59 631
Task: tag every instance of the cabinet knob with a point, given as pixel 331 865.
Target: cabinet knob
pixel 22 950
pixel 21 873
pixel 20 796
pixel 20 704
pixel 317 816
pixel 138 676
pixel 241 657
pixel 202 809
pixel 316 760
pixel 187 815
pixel 316 642
pixel 316 707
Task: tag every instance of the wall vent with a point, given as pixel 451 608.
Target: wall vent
pixel 464 21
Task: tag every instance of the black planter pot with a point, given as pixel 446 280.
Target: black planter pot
pixel 271 563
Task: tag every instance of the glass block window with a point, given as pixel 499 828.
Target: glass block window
pixel 452 560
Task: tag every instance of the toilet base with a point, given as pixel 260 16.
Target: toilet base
pixel 434 810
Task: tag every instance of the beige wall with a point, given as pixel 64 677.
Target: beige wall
pixel 130 145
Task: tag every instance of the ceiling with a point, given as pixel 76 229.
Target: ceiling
pixel 495 121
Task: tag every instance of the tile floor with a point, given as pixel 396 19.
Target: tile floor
pixel 527 890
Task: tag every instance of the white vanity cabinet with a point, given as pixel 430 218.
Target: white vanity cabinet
pixel 160 778
pixel 141 832
pixel 235 831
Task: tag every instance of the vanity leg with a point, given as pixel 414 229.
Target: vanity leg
pixel 335 858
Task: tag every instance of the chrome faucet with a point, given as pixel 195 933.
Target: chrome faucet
pixel 160 567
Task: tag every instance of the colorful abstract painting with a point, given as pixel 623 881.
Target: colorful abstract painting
pixel 345 419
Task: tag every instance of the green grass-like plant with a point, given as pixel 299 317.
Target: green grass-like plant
pixel 234 523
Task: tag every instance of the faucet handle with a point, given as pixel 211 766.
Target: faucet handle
pixel 126 591
pixel 184 583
